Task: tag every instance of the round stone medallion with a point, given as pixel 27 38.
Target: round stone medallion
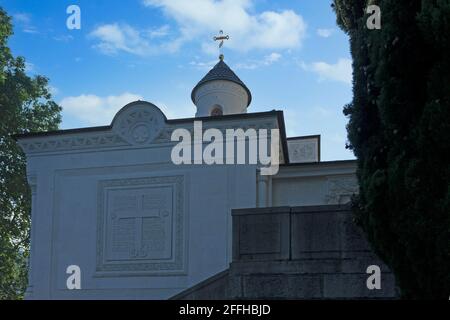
pixel 139 123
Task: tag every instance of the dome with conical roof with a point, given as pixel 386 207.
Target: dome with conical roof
pixel 221 88
pixel 221 71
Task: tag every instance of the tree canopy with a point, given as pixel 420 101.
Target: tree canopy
pixel 399 130
pixel 25 105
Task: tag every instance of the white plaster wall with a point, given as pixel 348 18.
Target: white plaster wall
pixel 66 171
pixel 314 184
pixel 66 220
pixel 65 216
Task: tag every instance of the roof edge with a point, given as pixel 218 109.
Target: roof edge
pixel 168 121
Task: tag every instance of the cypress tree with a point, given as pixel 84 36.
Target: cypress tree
pixel 399 130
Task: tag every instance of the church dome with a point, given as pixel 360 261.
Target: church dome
pixel 221 92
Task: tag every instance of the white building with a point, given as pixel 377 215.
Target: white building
pixel 110 200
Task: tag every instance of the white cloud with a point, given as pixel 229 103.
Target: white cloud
pixel 271 58
pixel 116 37
pixel 203 18
pixel 121 37
pixel 340 71
pixel 203 65
pixel 24 21
pixel 159 32
pixel 93 110
pixel 325 33
pixel 198 20
pixel 63 38
pixel 265 61
pixel 23 18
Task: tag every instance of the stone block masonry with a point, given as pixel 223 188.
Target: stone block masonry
pixel 314 252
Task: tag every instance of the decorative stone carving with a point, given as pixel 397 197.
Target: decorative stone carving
pixel 139 123
pixel 140 226
pixel 166 133
pixel 111 139
pixel 67 143
pixel 341 189
pixel 303 150
pixel 139 223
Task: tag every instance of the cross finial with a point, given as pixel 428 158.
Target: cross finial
pixel 221 38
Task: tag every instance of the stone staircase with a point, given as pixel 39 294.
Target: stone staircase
pixel 296 253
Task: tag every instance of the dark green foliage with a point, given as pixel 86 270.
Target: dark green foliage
pixel 25 105
pixel 399 130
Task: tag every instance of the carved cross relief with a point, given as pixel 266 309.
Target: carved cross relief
pixel 140 223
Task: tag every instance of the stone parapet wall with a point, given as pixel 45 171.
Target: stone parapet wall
pixel 297 253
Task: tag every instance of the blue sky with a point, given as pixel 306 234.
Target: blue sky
pixel 290 54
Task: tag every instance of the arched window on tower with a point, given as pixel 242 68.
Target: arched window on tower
pixel 216 111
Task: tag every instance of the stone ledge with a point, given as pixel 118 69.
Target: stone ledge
pixel 213 288
pixel 319 209
pixel 325 266
pixel 260 211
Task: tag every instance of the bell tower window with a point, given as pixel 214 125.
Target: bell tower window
pixel 216 111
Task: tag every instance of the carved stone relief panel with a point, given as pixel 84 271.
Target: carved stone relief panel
pixel 140 225
pixel 304 150
pixel 341 189
pixel 139 123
